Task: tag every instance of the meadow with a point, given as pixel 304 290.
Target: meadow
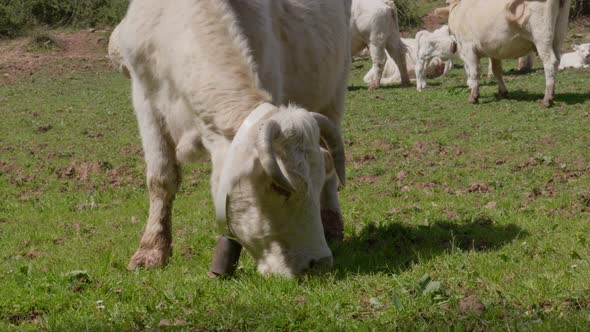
pixel 457 216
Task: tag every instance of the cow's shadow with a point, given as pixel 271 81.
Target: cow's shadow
pixel 382 87
pixel 568 98
pixel 395 247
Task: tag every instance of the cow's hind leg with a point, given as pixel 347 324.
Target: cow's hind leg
pixel 397 51
pixel 420 69
pixel 472 68
pixel 497 70
pixel 550 64
pixel 378 57
pixel 162 182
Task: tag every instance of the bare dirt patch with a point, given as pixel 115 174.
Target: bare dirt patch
pixel 431 22
pixel 82 49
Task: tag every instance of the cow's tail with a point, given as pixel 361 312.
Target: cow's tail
pixel 395 16
pixel 393 10
pixel 516 12
pixel 561 23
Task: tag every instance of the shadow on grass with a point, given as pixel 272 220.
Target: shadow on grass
pixel 515 72
pixel 522 95
pixel 395 247
pixel 382 87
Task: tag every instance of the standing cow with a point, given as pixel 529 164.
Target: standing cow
pixel 236 79
pixel 375 24
pixel 506 29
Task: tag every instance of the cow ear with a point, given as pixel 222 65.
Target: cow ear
pixel 328 163
pixel 576 47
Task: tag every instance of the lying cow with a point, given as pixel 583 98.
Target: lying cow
pixel 430 45
pixel 507 29
pixel 578 59
pixel 391 73
pixel 214 87
pixel 375 24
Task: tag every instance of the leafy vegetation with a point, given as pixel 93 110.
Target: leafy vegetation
pixel 17 17
pixel 457 216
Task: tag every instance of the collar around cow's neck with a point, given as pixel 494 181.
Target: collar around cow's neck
pixel 227 175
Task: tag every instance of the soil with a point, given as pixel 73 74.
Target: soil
pixel 81 50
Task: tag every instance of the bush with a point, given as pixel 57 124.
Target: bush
pixel 17 16
pixel 42 41
pixel 579 8
pixel 409 16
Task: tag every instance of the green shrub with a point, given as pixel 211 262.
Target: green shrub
pixel 17 16
pixel 409 16
pixel 579 8
pixel 43 41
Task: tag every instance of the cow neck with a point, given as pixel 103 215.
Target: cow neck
pixel 239 146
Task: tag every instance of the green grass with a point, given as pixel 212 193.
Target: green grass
pixel 458 217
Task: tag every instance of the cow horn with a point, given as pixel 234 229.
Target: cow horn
pixel 268 132
pixel 335 145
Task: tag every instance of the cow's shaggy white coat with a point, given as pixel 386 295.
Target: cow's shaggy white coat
pixel 198 69
pixel 375 24
pixel 508 29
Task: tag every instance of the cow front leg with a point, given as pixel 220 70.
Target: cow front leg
pixel 163 178
pixel 330 210
pixel 497 71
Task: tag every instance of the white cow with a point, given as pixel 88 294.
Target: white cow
pixel 206 72
pixel 439 44
pixel 578 59
pixel 114 53
pixel 506 29
pixel 375 24
pixel 391 74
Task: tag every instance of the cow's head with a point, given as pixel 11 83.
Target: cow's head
pixel 272 205
pixel 584 52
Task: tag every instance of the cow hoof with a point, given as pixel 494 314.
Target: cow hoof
pixel 333 225
pixel 473 100
pixel 149 258
pixel 373 86
pixel 547 103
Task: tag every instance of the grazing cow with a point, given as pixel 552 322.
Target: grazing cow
pixel 507 29
pixel 439 44
pixel 391 74
pixel 375 24
pixel 222 77
pixel 578 59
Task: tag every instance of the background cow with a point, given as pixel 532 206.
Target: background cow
pixel 506 29
pixel 580 58
pixel 375 24
pixel 430 45
pixel 391 73
pixel 229 60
